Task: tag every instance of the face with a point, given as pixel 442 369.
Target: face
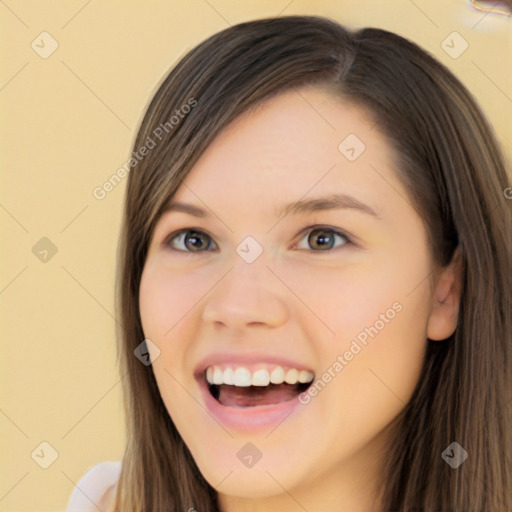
pixel 243 290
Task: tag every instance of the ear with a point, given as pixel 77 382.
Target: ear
pixel 445 300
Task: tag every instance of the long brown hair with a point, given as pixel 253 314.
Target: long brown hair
pixel 454 171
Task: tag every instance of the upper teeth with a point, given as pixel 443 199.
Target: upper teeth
pixel 242 377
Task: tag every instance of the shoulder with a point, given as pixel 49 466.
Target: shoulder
pixel 95 487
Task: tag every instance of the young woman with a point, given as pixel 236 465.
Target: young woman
pixel 316 261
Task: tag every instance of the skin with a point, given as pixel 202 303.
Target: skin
pixel 107 501
pixel 297 299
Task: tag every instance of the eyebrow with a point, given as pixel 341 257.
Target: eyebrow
pixel 302 206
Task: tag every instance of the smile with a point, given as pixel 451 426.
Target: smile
pixel 241 387
pixel 249 396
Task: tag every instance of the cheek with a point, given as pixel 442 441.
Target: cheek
pixel 373 370
pixel 164 299
pixel 348 301
pixel 379 314
pixel 384 292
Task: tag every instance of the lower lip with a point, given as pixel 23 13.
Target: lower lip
pixel 248 418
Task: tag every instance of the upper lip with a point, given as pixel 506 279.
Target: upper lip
pixel 240 358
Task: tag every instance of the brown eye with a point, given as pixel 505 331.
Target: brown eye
pixel 189 240
pixel 324 239
pixel 319 239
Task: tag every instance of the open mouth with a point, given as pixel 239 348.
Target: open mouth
pixel 251 396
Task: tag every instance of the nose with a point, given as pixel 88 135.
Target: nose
pixel 248 294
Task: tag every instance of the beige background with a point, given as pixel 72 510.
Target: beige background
pixel 68 122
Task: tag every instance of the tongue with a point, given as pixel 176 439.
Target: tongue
pixel 234 396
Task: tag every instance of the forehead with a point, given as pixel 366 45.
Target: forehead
pixel 299 143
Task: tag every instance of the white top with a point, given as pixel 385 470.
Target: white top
pixel 93 486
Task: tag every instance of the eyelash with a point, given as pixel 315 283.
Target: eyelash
pixel 168 241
